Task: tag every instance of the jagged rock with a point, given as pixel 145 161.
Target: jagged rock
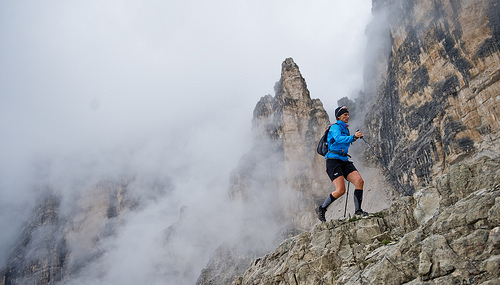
pixel 427 204
pixel 468 178
pixel 494 213
pixel 492 265
pixel 440 256
pixel 228 261
pixel 459 243
pixel 41 256
pixel 283 160
pixel 55 245
pixel 402 218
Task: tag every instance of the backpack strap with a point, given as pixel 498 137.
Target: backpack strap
pixel 335 152
pixel 326 137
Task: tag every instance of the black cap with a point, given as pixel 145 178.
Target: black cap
pixel 340 110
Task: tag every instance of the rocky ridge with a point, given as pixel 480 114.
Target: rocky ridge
pixel 448 233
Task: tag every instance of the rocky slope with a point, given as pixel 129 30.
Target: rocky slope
pixel 430 108
pixel 432 84
pixel 444 234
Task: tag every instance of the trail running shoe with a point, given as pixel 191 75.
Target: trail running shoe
pixel 361 213
pixel 320 211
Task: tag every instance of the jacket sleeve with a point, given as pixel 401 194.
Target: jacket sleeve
pixel 339 137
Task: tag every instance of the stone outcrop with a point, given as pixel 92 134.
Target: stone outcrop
pixel 54 246
pixel 283 162
pixel 41 256
pixel 432 82
pixel 422 239
pixel 228 261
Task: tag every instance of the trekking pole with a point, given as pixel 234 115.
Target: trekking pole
pixel 346 196
pixel 386 168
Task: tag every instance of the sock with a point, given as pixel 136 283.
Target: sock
pixel 358 198
pixel 328 201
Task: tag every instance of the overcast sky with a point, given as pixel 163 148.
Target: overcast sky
pixel 81 68
pixel 78 76
pixel 82 79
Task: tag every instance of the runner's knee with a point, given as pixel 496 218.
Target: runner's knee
pixel 339 190
pixel 360 183
pixel 357 181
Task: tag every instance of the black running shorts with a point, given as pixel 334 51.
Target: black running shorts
pixel 336 168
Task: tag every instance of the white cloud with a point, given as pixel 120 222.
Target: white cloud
pixel 105 88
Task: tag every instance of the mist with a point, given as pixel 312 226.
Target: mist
pixel 160 94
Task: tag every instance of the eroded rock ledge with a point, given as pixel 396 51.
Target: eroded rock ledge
pixel 433 237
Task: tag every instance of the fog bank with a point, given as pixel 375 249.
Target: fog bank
pixel 158 93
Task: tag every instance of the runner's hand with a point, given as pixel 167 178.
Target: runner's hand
pixel 358 134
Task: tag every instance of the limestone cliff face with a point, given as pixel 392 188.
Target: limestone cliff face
pixel 43 254
pixel 283 164
pixel 433 75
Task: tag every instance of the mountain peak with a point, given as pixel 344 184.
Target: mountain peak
pixel 291 85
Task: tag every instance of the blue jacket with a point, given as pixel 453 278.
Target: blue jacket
pixel 342 140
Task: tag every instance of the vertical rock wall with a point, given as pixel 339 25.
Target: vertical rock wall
pixel 54 246
pixel 433 77
pixel 41 256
